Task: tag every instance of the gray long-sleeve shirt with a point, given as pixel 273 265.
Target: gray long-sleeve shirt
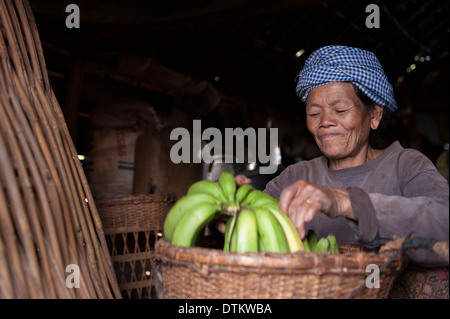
pixel 398 192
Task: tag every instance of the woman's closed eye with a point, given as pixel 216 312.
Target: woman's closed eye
pixel 313 114
pixel 317 113
pixel 342 111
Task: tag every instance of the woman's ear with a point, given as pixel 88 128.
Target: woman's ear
pixel 376 113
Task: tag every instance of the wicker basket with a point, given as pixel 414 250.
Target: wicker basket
pixel 132 225
pixel 204 273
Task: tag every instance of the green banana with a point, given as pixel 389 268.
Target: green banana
pixel 208 187
pixel 261 244
pixel 258 198
pixel 246 231
pixel 333 249
pixel 249 198
pixel 322 246
pixel 228 185
pixel 293 238
pixel 193 222
pixel 270 231
pixel 306 244
pixel 233 244
pixel 312 240
pixel 181 207
pixel 243 191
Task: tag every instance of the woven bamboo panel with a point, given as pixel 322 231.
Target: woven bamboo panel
pixel 48 219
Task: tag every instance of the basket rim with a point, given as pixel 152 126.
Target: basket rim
pixel 301 261
pixel 135 199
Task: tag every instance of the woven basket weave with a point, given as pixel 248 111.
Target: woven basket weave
pixel 205 273
pixel 132 225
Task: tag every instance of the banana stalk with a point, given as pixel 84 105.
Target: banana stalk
pixel 229 231
pixel 255 222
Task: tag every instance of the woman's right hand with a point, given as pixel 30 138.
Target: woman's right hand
pixel 302 200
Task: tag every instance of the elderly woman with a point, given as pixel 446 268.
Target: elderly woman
pixel 362 194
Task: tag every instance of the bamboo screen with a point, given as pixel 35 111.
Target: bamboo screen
pixel 51 237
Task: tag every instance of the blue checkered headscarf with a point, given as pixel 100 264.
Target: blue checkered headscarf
pixel 346 64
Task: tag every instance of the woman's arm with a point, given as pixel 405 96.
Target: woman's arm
pixel 415 199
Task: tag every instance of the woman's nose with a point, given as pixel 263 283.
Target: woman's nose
pixel 327 118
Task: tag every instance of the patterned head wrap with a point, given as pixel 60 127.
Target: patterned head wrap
pixel 346 64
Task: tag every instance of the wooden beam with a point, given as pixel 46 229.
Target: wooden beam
pixel 198 17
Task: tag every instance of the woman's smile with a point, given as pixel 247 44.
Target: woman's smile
pixel 328 136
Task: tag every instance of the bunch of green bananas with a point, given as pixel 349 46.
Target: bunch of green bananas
pixel 323 245
pixel 255 223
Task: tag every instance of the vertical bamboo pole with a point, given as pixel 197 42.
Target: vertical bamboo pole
pixel 47 213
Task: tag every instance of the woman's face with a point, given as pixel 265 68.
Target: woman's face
pixel 340 123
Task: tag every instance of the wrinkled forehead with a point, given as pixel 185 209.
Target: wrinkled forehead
pixel 332 92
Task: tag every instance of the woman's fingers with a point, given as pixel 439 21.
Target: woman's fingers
pixel 302 211
pixel 287 195
pixel 302 214
pixel 219 224
pixel 301 201
pixel 242 180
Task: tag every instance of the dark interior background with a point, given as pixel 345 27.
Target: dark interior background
pixel 242 53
